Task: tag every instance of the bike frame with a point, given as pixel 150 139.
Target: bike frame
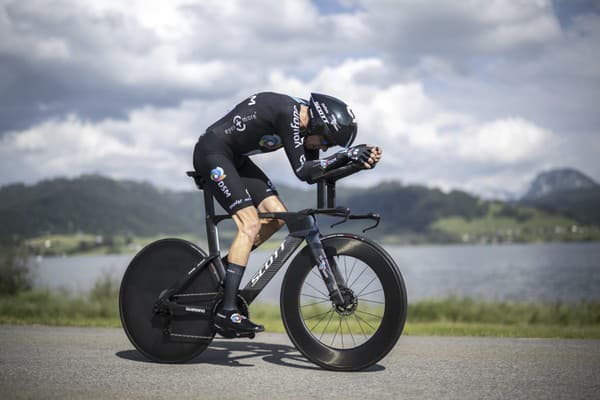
pixel 302 226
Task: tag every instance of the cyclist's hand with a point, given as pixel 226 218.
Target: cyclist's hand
pixel 375 155
pixel 359 155
pixel 364 155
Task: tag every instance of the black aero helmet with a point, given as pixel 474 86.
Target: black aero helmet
pixel 331 118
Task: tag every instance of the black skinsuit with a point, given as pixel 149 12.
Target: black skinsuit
pixel 262 123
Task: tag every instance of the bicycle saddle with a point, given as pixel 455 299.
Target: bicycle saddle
pixel 197 179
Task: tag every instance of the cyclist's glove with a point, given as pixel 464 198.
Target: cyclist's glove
pixel 312 170
pixel 359 154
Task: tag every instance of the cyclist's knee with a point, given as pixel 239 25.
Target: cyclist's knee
pixel 273 204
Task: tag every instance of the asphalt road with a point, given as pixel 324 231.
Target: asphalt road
pixel 49 363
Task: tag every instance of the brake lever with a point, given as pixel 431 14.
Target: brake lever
pixel 346 216
pixel 377 218
pixel 373 216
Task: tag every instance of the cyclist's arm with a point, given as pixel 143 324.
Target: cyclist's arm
pixel 312 170
pixel 287 124
pixel 363 156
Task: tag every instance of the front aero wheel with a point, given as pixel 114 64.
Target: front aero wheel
pixel 358 334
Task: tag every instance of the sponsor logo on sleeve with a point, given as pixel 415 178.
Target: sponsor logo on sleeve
pixel 235 203
pixel 295 125
pixel 239 123
pixel 218 175
pixel 240 126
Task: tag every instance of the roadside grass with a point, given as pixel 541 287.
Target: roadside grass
pixel 447 317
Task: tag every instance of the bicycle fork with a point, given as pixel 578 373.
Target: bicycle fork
pixel 330 277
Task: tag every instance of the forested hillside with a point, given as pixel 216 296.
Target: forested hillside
pixel 103 206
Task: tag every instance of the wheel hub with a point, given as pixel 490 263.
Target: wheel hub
pixel 350 302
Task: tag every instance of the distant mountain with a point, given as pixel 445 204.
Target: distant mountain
pixel 558 180
pixel 567 191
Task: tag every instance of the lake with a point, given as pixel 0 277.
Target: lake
pixel 551 272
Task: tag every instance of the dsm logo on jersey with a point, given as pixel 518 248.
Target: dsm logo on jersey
pixel 270 142
pixel 217 174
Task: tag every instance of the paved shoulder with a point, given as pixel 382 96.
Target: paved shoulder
pixel 46 362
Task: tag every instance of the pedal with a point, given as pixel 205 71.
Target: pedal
pixel 230 334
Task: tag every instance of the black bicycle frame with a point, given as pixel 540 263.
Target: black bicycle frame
pixel 302 226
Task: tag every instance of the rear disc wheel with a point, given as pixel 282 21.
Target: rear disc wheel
pixel 152 270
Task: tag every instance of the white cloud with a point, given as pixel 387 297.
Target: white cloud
pixel 414 131
pixel 407 29
pixel 507 140
pixel 151 144
pixel 460 94
pixel 422 140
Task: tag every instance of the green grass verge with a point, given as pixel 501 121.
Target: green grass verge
pixel 449 317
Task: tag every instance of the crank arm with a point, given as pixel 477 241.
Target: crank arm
pixel 202 310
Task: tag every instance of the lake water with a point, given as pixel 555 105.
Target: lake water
pixel 532 272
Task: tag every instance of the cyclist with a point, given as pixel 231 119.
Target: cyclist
pixel 262 123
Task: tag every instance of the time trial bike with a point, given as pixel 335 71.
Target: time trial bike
pixel 343 299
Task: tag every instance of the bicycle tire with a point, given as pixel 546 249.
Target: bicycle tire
pixel 299 326
pixel 152 270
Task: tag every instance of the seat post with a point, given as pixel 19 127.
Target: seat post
pixel 212 232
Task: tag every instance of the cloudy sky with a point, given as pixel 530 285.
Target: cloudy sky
pixel 478 95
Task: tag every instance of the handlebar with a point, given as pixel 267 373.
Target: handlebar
pixel 329 179
pixel 341 212
pixel 338 173
pixel 374 216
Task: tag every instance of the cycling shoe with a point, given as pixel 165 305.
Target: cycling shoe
pixel 234 320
